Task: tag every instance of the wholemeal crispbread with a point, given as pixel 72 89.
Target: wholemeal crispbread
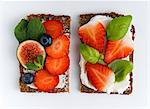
pixel 85 18
pixel 66 25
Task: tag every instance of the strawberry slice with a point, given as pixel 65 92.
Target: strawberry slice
pixel 44 81
pixel 100 76
pixel 57 66
pixel 93 34
pixel 118 49
pixel 53 28
pixel 59 47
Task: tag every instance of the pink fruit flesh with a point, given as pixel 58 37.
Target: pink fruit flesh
pixel 29 52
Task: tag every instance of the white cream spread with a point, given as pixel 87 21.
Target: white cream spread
pixel 119 87
pixel 102 19
pixel 83 75
pixel 62 80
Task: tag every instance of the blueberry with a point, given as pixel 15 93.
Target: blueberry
pixel 28 78
pixel 46 40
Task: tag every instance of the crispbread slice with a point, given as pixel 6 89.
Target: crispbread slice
pixel 85 18
pixel 66 24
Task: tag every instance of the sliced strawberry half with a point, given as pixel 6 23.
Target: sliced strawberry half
pixel 44 81
pixel 59 47
pixel 53 28
pixel 100 76
pixel 93 34
pixel 118 49
pixel 57 66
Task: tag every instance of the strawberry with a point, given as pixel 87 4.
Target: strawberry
pixel 44 81
pixel 57 66
pixel 53 28
pixel 59 47
pixel 100 76
pixel 118 49
pixel 93 35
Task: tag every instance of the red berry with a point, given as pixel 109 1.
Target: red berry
pixel 53 28
pixel 44 81
pixel 99 75
pixel 59 47
pixel 57 66
pixel 118 49
pixel 93 35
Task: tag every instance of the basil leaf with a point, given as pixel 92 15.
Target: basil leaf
pixel 121 68
pixel 40 59
pixel 36 65
pixel 32 66
pixel 35 29
pixel 118 27
pixel 89 54
pixel 21 31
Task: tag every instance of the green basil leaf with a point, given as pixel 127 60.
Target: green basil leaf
pixel 121 68
pixel 118 27
pixel 37 64
pixel 32 66
pixel 35 29
pixel 40 59
pixel 21 31
pixel 89 54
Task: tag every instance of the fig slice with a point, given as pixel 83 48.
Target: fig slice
pixel 28 51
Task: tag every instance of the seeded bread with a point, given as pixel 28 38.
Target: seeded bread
pixel 85 18
pixel 66 24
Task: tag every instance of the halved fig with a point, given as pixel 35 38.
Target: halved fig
pixel 28 51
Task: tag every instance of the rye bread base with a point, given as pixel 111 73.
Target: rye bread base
pixel 66 24
pixel 85 18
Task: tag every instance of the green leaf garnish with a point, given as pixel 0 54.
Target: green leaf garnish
pixel 118 27
pixel 35 29
pixel 21 31
pixel 40 59
pixel 36 65
pixel 32 66
pixel 121 68
pixel 90 54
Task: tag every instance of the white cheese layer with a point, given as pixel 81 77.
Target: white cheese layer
pixel 62 80
pixel 119 87
pixel 83 75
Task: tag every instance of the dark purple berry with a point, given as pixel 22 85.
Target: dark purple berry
pixel 46 40
pixel 28 78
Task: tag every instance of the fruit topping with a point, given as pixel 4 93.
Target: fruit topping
pixel 59 48
pixel 57 66
pixel 31 55
pixel 121 68
pixel 118 49
pixel 46 40
pixel 100 76
pixel 44 81
pixel 53 28
pixel 93 34
pixel 91 55
pixel 118 27
pixel 27 78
